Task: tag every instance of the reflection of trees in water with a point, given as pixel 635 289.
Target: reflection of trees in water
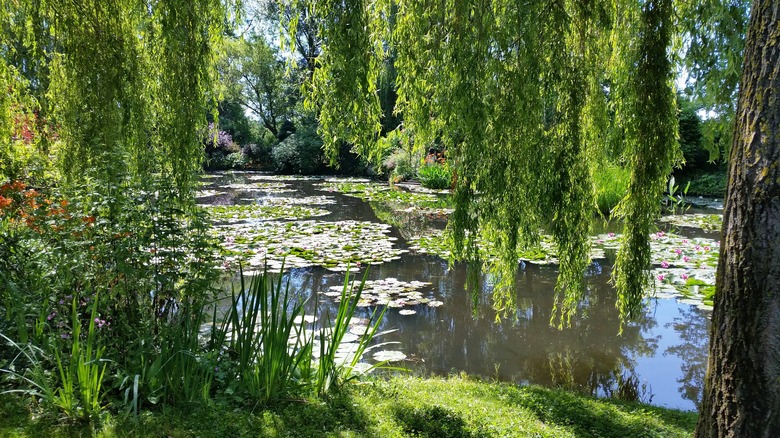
pixel 691 325
pixel 589 356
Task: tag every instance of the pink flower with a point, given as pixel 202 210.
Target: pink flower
pixel 664 264
pixel 611 234
pixel 660 277
pixel 677 251
pixel 599 241
pixel 686 259
pixel 660 234
pixel 685 241
pixel 706 248
pixel 684 276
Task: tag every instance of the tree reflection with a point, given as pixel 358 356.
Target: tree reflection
pixel 691 325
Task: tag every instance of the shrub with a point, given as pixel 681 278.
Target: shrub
pixel 400 165
pixel 435 176
pixel 610 183
pixel 299 153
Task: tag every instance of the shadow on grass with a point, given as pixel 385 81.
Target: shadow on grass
pixel 587 417
pixel 300 418
pixel 432 422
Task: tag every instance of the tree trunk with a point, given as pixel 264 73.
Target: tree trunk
pixel 742 387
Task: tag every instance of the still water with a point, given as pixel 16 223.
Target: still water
pixel 659 359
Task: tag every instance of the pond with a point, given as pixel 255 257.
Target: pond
pixel 320 224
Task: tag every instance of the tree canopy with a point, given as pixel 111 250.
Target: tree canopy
pixel 122 99
pixel 524 95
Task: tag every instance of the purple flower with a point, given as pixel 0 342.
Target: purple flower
pixel 706 248
pixel 678 251
pixel 664 264
pixel 660 277
pixel 65 336
pixel 611 234
pixel 684 276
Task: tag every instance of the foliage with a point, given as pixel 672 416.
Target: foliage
pixel 706 183
pixel 475 408
pixel 519 132
pixel 255 78
pixel 301 152
pixel 610 186
pixel 343 88
pixel 435 176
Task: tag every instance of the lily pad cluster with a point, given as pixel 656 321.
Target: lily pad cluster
pixel 263 177
pixel 390 292
pixel 706 222
pixel 266 187
pixel 306 200
pixel 435 243
pixel 333 245
pixel 262 212
pixel 376 192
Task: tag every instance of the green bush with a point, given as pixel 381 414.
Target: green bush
pixel 610 183
pixel 300 152
pixel 707 184
pixel 435 176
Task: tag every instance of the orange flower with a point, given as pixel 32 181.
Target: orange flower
pixel 64 203
pixel 4 202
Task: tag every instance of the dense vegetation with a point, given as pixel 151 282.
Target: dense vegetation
pixel 534 115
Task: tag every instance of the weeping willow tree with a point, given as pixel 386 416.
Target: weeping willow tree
pixel 520 94
pixel 128 83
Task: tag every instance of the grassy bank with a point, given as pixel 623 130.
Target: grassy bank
pixel 405 406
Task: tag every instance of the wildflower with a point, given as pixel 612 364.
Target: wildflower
pixel 4 202
pixel 65 336
pixel 664 264
pixel 64 203
pixel 51 316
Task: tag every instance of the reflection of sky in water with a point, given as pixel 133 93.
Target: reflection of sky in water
pixel 660 356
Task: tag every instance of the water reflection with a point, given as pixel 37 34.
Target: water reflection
pixel 659 358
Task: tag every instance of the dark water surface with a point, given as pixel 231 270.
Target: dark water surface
pixel 659 359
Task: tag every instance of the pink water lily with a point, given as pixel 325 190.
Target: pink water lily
pixel 664 264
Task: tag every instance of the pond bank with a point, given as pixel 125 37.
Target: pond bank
pixel 400 406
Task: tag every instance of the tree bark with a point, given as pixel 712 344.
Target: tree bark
pixel 742 387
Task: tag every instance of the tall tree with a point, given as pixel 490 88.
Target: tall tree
pixel 255 78
pixel 742 387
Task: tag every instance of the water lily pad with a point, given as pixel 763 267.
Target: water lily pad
pixel 407 312
pixel 244 212
pixel 706 222
pixel 389 356
pixel 332 245
pixel 389 291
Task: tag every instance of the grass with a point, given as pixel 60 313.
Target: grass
pixel 400 406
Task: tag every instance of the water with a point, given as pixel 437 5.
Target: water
pixel 659 359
